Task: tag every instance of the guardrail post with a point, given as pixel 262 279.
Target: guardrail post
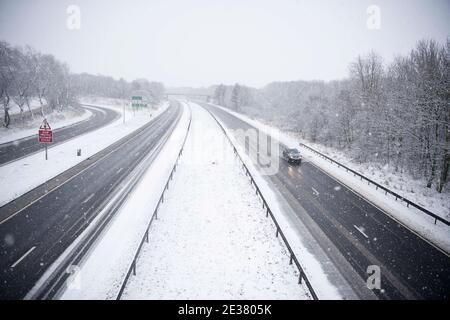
pixel 386 191
pixel 132 268
pixel 266 206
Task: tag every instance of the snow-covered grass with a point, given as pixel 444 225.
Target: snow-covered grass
pixel 56 120
pixel 114 102
pixel 102 271
pixel 29 172
pixel 212 239
pixel 408 216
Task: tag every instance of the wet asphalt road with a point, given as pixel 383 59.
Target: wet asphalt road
pixel 411 268
pixel 32 236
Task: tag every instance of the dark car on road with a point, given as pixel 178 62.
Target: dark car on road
pixel 292 156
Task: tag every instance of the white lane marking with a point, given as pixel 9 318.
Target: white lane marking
pixel 118 171
pixel 23 257
pixel 389 215
pixel 361 230
pixel 85 169
pixel 315 191
pixel 88 198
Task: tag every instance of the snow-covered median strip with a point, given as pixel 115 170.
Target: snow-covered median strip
pixel 101 273
pixel 412 218
pixel 27 173
pixel 212 239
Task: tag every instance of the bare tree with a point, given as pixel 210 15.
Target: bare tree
pixel 8 73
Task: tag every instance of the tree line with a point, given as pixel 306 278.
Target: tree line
pixel 85 84
pixel 395 114
pixel 27 74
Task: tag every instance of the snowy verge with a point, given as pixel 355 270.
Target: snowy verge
pixel 101 273
pixel 56 120
pixel 324 289
pixel 212 239
pixel 29 172
pixel 104 101
pixel 412 218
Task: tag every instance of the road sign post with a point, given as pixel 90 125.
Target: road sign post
pixel 45 136
pixel 135 103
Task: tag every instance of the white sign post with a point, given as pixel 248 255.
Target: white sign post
pixel 45 135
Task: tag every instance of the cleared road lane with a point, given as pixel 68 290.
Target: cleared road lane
pixel 35 233
pixel 411 267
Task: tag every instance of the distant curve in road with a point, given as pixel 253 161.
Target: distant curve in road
pixel 32 239
pixel 411 268
pixel 14 150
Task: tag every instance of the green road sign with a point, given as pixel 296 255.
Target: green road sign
pixel 136 102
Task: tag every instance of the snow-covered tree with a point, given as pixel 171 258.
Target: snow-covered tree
pixel 393 114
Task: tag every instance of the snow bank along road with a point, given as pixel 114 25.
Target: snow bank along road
pixel 212 239
pixel 348 226
pixel 37 227
pixel 17 149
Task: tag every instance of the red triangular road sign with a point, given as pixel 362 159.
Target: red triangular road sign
pixel 45 125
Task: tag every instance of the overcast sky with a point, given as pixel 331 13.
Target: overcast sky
pixel 204 42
